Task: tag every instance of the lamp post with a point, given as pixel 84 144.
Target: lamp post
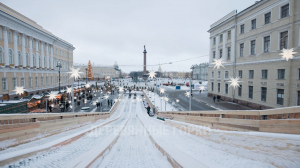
pixel 59 66
pixel 190 101
pixel 86 75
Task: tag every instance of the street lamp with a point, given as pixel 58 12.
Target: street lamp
pixel 59 66
pixel 86 75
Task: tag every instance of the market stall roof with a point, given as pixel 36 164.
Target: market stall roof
pixel 28 98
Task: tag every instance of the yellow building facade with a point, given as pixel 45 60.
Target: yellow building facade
pixel 29 55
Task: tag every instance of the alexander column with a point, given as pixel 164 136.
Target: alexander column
pixel 145 75
pixel 145 58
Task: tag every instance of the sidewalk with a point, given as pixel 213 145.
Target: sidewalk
pixel 221 105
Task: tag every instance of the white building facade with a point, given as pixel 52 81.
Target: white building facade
pixel 249 44
pixel 29 55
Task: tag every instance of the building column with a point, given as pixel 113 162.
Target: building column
pixel 47 56
pixel 23 50
pixel 5 38
pixel 210 50
pixel 37 54
pixel 16 60
pixel 30 53
pixel 51 50
pixel 224 57
pixel 217 47
pixel 232 53
pixel 42 54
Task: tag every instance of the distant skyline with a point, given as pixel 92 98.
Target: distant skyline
pixel 108 31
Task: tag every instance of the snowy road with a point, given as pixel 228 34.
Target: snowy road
pixel 133 148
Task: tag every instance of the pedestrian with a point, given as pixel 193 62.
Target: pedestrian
pixel 214 98
pixel 148 110
pixel 108 102
pixel 200 91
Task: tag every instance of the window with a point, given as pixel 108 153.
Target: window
pixel 214 54
pixel 42 81
pixel 242 28
pixel 228 52
pixel 264 74
pixel 214 41
pixel 14 83
pixel 56 52
pixel 36 81
pixel 10 56
pixel 23 82
pixel 51 82
pixel 1 33
pixel 33 59
pixel 226 88
pixel 242 50
pixel 44 62
pixel 267 44
pixel 268 18
pixel 221 38
pixel 251 74
pixel 263 94
pixel 212 74
pixel 280 96
pixel 226 74
pixel 219 89
pixel 298 74
pixel 229 34
pixel 26 42
pixel 47 82
pixel 19 40
pixel 4 84
pixel 221 53
pixel 253 47
pixel 250 95
pixel 212 86
pixel 19 58
pixel 240 90
pixel 281 73
pixel 219 74
pixel 60 52
pixel 39 59
pixel 253 24
pixel 283 40
pixel 30 82
pixel 1 55
pixel 298 103
pixel 285 11
pixel 240 74
pixel 32 44
pixel 9 36
pixel 27 60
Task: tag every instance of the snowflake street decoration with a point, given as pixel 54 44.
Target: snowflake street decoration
pixel 218 63
pixel 166 99
pixel 116 100
pixel 151 74
pixel 187 94
pixel 87 85
pixel 19 90
pixel 162 90
pixel 69 90
pixel 121 89
pixel 234 82
pixel 177 100
pixel 201 88
pixel 106 97
pixel 75 73
pixel 287 53
pixel 52 96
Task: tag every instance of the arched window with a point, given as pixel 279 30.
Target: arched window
pixel 9 36
pixel 19 57
pixel 10 53
pixel 39 63
pixel 45 62
pixel 1 55
pixel 27 59
pixel 33 59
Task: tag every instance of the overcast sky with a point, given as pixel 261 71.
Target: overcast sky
pixel 116 30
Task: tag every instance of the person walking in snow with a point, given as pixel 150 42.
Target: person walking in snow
pixel 148 110
pixel 214 98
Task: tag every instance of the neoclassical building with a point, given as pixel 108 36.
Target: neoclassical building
pixel 249 43
pixel 100 71
pixel 29 55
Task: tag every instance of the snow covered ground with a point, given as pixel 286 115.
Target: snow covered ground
pixel 134 147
